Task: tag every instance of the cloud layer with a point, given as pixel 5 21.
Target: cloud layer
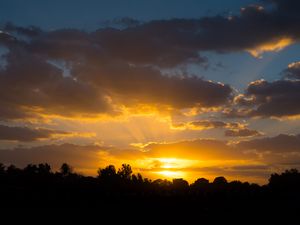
pixel 268 99
pixel 26 134
pixel 110 68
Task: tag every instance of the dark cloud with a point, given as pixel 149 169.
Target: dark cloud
pixel 250 167
pixel 278 98
pixel 293 71
pixel 121 66
pixel 208 124
pixel 148 85
pixel 26 134
pixel 234 129
pixel 171 42
pixel 183 39
pixel 123 22
pixel 244 132
pixel 168 43
pixel 266 99
pixel 6 39
pixel 30 84
pixel 282 143
pixel 30 31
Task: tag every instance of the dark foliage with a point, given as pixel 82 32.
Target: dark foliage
pixel 125 194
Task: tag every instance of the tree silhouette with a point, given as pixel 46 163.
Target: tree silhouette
pixel 12 170
pixel 65 169
pixel 2 168
pixel 290 180
pixel 37 185
pixel 180 184
pixel 31 169
pixel 44 169
pixel 125 172
pixel 201 182
pixel 108 172
pixel 220 181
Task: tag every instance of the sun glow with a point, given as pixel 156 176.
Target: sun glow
pixel 171 174
pixel 171 167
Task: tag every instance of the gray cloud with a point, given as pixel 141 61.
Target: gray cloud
pixel 266 99
pixel 122 65
pixel 123 22
pixel 148 85
pixel 6 39
pixel 168 43
pixel 243 132
pixel 293 71
pixel 282 143
pixel 31 31
pixel 208 124
pixel 26 134
pixel 28 83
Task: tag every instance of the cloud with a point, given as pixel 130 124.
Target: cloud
pixel 30 85
pixel 148 85
pixel 206 124
pixel 263 98
pixel 282 143
pixel 30 31
pixel 268 99
pixel 169 43
pixel 257 29
pixel 111 68
pixel 293 71
pixel 233 129
pixel 123 22
pixel 6 39
pixel 244 132
pixel 26 134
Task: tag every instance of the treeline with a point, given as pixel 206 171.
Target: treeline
pixel 123 181
pixel 39 186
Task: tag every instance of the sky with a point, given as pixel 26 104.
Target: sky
pixel 174 88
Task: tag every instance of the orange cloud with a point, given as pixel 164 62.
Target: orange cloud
pixel 271 46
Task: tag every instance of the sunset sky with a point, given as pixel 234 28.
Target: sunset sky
pixel 175 88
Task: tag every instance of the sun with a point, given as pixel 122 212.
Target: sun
pixel 167 167
pixel 172 167
pixel 171 174
pixel 168 163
